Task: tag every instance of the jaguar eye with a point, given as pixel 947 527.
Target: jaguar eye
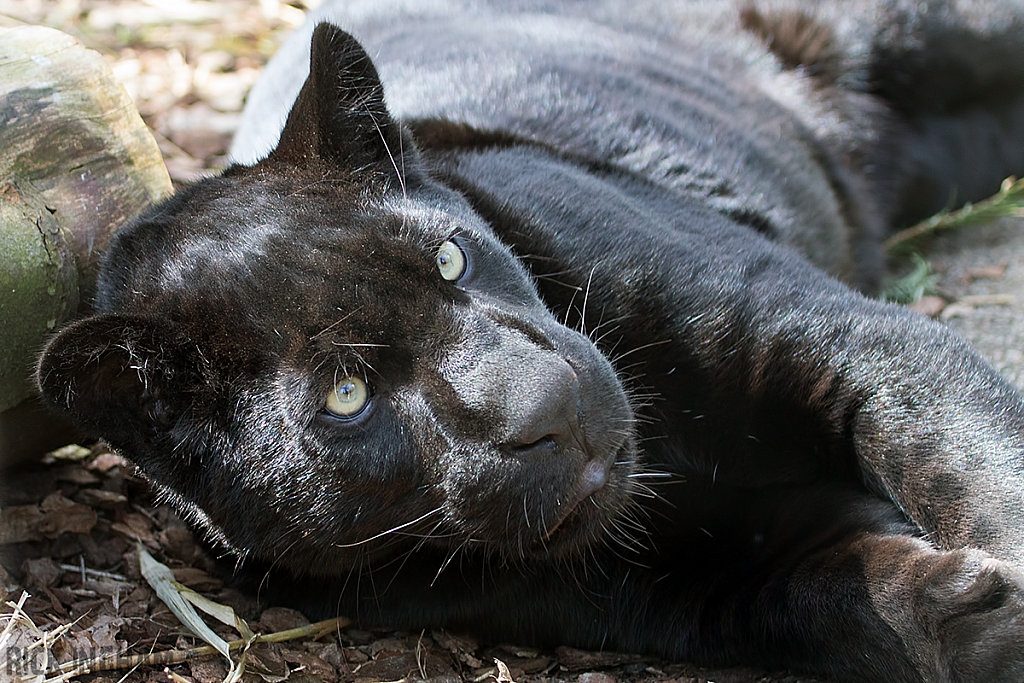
pixel 451 261
pixel 348 398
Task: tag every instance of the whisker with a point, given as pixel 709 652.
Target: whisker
pixel 556 281
pixel 641 348
pixel 353 345
pixel 336 323
pixel 394 164
pixel 389 531
pixel 446 562
pixel 586 297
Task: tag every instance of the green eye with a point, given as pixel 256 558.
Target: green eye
pixel 348 397
pixel 451 261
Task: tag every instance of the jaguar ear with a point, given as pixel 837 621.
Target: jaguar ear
pixel 115 376
pixel 339 115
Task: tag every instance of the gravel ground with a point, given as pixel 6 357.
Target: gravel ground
pixel 985 265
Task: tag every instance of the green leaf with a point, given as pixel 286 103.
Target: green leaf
pixel 919 282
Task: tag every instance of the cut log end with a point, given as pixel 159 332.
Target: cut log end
pixel 76 163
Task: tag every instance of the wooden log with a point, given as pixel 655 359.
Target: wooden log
pixel 76 162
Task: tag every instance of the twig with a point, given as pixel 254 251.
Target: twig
pixel 166 657
pixel 1007 202
pixel 92 572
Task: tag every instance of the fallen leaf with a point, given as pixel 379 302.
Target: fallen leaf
pixel 41 573
pixel 20 523
pixel 275 619
pixel 162 581
pixel 100 498
pixel 104 462
pixel 104 632
pixel 136 527
pixel 208 671
pixel 55 516
pixel 596 677
pixel 311 664
pixel 72 453
pixel 61 515
pixel 199 580
pixel 504 675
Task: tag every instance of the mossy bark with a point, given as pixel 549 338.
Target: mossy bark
pixel 76 162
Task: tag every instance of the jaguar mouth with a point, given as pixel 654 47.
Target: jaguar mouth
pixel 593 478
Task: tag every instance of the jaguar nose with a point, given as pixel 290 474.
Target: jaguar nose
pixel 547 415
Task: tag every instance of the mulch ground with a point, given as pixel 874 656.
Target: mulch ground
pixel 70 530
pixel 71 525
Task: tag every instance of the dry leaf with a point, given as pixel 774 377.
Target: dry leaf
pixel 61 515
pixel 55 516
pixel 504 675
pixel 72 453
pixel 281 619
pixel 104 462
pixel 161 579
pixel 198 580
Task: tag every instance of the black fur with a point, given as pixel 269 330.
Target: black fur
pixel 643 418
